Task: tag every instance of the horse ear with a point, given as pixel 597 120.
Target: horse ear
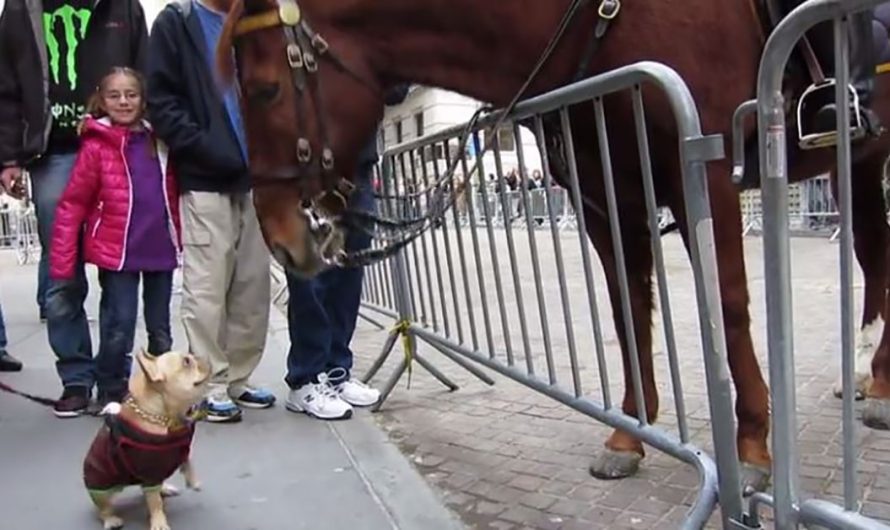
pixel 149 365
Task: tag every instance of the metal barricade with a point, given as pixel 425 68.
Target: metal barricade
pixel 789 508
pixel 18 232
pixel 504 299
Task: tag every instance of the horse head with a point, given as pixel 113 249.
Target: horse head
pixel 309 106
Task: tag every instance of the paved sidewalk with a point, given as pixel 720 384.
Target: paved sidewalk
pixel 509 458
pixel 273 471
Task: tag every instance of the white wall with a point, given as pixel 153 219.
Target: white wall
pixel 443 109
pixel 152 8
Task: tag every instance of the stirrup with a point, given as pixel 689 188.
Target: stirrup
pixel 817 92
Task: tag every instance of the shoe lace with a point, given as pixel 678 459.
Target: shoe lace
pixel 325 388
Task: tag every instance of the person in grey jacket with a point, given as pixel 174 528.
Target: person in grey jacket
pixel 52 55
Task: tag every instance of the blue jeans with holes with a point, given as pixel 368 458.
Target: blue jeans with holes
pixel 69 335
pixel 322 312
pixel 118 312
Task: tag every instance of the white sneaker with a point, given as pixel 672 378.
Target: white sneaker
pixel 357 393
pixel 319 400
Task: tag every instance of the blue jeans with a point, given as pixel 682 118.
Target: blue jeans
pixel 118 310
pixel 322 312
pixel 49 176
pixel 69 335
pixel 3 342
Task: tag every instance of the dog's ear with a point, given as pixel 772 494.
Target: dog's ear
pixel 149 365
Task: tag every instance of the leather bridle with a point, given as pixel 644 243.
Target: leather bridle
pixel 305 47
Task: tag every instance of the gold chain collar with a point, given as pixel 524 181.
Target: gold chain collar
pixel 162 419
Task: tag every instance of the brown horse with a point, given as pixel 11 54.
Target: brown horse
pixel 486 50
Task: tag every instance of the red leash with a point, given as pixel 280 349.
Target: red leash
pixel 37 399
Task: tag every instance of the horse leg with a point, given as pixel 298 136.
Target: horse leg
pixel 876 413
pixel 623 452
pixel 871 237
pixel 752 395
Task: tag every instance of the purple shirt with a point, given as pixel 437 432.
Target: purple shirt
pixel 149 241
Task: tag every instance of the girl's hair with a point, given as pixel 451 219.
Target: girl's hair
pixel 94 104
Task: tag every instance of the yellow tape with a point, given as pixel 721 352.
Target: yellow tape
pixel 882 68
pixel 403 328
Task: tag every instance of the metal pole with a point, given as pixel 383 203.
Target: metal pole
pixel 842 78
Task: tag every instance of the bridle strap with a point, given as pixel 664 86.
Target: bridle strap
pixel 303 50
pixel 287 14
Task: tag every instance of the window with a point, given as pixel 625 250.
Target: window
pixel 418 124
pixel 399 136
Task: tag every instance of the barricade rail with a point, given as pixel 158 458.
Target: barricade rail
pixel 18 232
pixel 789 509
pixel 522 305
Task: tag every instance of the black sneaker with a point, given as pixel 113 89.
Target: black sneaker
pixel 8 363
pixel 73 403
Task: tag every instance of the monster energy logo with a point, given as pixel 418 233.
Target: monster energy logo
pixel 74 24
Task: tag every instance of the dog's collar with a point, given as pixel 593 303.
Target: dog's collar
pixel 162 419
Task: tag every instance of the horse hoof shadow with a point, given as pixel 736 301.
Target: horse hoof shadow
pixel 613 465
pixel 754 479
pixel 876 414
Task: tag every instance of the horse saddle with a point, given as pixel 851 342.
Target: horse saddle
pixel 881 45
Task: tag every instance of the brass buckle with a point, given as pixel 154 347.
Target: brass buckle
pixel 309 59
pixel 606 6
pixel 294 56
pixel 304 151
pixel 289 13
pixel 327 159
pixel 320 45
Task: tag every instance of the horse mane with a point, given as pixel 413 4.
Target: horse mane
pixel 225 62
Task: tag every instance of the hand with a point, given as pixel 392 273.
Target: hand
pixel 12 182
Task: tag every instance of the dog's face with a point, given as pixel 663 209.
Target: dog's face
pixel 179 378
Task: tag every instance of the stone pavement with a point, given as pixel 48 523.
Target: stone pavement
pixel 506 457
pixel 273 471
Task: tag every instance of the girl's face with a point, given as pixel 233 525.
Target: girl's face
pixel 122 99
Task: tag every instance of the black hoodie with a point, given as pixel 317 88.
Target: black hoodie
pixel 116 35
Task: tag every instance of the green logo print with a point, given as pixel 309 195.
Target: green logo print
pixel 74 25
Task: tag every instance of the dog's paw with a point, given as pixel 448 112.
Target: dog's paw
pixel 194 485
pixel 169 490
pixel 160 525
pixel 112 523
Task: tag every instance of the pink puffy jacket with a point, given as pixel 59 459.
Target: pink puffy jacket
pixel 98 195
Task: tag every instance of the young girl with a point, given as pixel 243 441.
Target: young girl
pixel 122 195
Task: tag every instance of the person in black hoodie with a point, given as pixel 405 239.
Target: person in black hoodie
pixel 52 54
pixel 226 283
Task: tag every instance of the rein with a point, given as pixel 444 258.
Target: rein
pixel 303 41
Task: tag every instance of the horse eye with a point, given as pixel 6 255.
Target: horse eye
pixel 262 92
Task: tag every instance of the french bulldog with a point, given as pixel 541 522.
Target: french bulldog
pixel 145 439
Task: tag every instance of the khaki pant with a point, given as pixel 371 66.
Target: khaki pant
pixel 225 286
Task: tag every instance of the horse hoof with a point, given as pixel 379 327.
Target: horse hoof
pixel 754 479
pixel 876 414
pixel 612 465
